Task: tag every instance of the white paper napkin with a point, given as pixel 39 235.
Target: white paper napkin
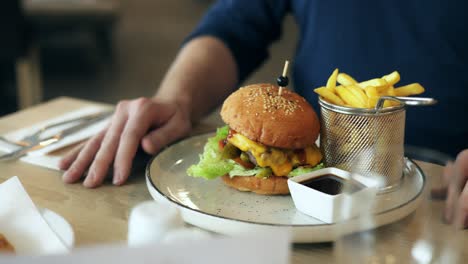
pixel 23 225
pixel 40 157
pixel 272 248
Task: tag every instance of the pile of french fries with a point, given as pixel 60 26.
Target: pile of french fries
pixel 352 93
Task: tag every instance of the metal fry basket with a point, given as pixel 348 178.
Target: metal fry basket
pixel 367 141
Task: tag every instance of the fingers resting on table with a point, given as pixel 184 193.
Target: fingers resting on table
pixel 141 122
pixel 456 204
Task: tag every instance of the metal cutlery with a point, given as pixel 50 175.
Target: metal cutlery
pixel 41 143
pixel 34 137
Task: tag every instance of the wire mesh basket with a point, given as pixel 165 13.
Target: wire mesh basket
pixel 366 141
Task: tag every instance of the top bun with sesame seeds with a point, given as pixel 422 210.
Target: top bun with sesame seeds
pixel 261 114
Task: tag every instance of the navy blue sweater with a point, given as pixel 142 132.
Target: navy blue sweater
pixel 426 41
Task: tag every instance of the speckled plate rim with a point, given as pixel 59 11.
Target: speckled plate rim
pixel 300 233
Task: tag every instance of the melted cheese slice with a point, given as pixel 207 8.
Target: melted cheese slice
pixel 280 161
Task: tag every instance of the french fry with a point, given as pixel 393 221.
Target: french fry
pixel 372 95
pixel 386 90
pixel 346 80
pixel 392 78
pixel 349 98
pixel 389 103
pixel 329 96
pixel 331 83
pixel 391 92
pixel 377 83
pixel 371 91
pixel 382 90
pixel 410 89
pixel 359 94
pixel 367 93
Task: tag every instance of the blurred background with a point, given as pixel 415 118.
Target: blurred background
pixel 100 50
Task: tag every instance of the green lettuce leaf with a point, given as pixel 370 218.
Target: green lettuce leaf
pixel 211 164
pixel 303 170
pixel 239 170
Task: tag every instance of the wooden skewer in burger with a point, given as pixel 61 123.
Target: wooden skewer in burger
pixel 270 136
pixel 283 80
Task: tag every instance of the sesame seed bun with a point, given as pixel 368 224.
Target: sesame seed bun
pixel 284 121
pixel 268 186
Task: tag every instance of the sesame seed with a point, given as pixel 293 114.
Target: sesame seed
pixel 272 101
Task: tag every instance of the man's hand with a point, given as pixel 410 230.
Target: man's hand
pixel 456 204
pixel 144 122
pixel 202 75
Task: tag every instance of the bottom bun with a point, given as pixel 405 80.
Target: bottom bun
pixel 268 186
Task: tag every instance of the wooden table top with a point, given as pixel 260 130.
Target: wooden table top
pixel 100 215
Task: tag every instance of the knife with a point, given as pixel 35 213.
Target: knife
pixel 52 139
pixel 32 138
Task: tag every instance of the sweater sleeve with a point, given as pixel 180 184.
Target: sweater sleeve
pixel 246 27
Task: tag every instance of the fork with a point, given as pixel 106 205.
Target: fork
pixel 34 137
pixel 48 140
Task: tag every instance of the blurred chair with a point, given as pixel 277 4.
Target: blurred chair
pixel 28 78
pixel 58 19
pixel 17 52
pixel 23 25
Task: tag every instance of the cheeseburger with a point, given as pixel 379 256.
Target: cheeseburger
pixel 268 138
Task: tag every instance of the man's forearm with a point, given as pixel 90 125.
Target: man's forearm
pixel 202 75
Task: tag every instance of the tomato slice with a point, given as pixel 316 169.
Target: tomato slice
pixel 221 144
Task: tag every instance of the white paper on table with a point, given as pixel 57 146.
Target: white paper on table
pixel 40 157
pixel 273 248
pixel 46 161
pixel 23 225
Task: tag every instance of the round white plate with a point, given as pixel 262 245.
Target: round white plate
pixel 60 226
pixel 211 205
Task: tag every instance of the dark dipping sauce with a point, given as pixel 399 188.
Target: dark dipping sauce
pixel 332 184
